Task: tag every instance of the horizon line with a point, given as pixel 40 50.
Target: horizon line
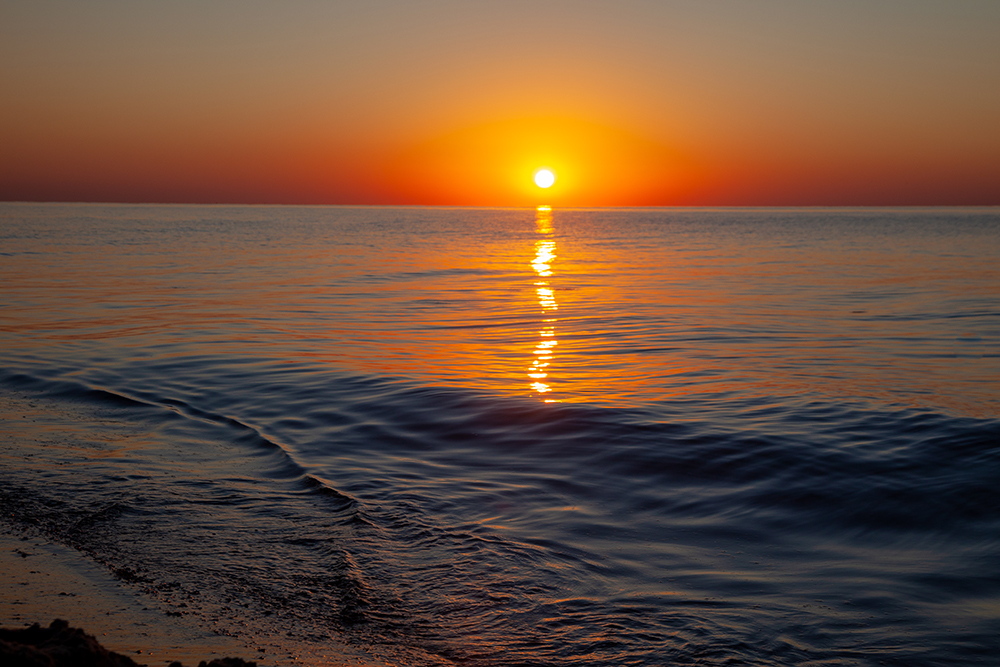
pixel 507 207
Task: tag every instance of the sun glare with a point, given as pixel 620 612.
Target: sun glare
pixel 544 178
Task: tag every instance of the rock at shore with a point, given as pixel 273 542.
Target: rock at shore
pixel 59 645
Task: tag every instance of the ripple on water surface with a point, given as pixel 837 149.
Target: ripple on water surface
pixel 494 437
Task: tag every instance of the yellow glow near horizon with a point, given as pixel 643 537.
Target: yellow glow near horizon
pixel 544 178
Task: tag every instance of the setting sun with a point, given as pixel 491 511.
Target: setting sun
pixel 544 178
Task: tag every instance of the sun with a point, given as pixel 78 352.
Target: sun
pixel 544 178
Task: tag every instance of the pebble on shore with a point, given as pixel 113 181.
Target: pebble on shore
pixel 60 645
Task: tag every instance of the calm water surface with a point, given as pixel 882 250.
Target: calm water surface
pixel 519 437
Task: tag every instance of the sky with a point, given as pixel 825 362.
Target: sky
pixel 444 102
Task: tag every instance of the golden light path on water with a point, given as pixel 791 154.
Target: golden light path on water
pixel 545 254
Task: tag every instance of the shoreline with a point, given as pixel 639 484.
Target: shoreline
pixel 44 581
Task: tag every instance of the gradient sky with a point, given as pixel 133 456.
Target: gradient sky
pixel 700 102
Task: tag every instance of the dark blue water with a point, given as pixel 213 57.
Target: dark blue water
pixel 516 437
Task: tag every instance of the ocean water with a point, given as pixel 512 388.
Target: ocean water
pixel 519 437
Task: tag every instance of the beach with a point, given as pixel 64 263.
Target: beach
pixel 45 579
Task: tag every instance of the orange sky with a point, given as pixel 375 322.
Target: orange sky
pixel 703 102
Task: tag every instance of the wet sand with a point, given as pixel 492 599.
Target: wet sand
pixel 43 581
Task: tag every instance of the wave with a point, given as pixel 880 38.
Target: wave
pixel 447 523
pixel 786 461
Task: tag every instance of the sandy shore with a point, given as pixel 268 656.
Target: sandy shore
pixel 43 581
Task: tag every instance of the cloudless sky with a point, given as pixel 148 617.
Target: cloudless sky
pixel 700 102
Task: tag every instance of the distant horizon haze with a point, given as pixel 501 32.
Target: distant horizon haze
pixel 677 103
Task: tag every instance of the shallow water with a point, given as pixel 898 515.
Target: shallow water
pixel 517 437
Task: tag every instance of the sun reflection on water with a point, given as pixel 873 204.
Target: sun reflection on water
pixel 545 254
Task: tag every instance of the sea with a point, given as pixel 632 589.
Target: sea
pixel 519 436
